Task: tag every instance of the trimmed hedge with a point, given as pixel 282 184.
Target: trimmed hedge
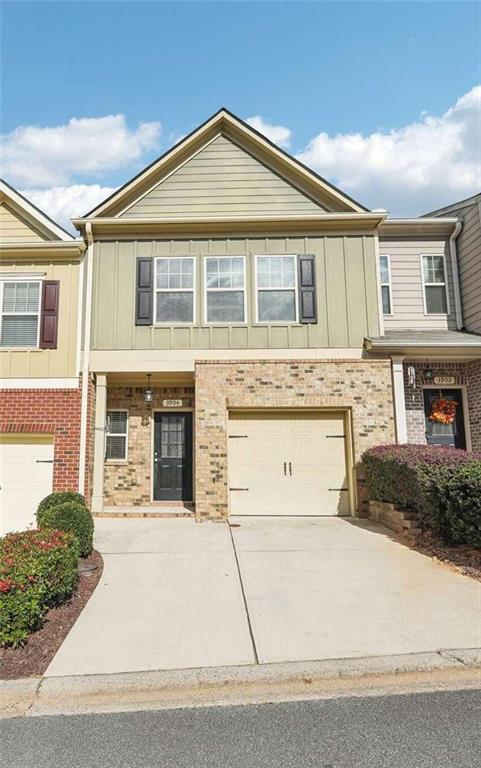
pixel 442 485
pixel 59 497
pixel 38 569
pixel 72 517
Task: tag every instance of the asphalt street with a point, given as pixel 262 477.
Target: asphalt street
pixel 404 731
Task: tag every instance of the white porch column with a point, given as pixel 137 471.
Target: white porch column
pixel 399 398
pixel 99 443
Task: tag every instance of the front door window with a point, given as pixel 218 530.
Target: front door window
pixel 452 433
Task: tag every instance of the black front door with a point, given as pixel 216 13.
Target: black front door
pixel 449 435
pixel 173 456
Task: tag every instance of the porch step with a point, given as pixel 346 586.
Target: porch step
pixel 154 511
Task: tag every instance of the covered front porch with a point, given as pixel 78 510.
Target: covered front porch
pixel 143 445
pixel 432 371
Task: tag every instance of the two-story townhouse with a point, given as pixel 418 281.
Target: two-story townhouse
pixel 430 329
pixel 40 330
pixel 231 289
pixel 248 331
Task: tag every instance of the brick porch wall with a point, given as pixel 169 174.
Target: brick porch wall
pixel 48 411
pixel 364 386
pixel 473 370
pixel 128 483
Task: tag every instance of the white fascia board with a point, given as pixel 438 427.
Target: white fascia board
pixel 33 212
pixel 59 383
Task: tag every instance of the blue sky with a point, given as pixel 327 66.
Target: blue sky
pixel 314 68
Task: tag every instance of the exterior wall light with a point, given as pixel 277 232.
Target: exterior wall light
pixel 428 374
pixel 148 393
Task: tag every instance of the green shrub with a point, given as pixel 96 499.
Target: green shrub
pixel 458 497
pixel 38 569
pixel 60 497
pixel 442 485
pixel 73 517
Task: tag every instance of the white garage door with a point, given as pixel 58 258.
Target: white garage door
pixel 26 475
pixel 287 463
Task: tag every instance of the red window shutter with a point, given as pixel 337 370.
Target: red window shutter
pixel 49 314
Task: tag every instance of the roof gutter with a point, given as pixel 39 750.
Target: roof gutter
pixel 86 359
pixel 454 268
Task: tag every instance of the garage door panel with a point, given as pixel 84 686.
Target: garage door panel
pixel 287 463
pixel 26 477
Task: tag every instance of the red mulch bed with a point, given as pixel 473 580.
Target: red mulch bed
pixel 32 659
pixel 462 559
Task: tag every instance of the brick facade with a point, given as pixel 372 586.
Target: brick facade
pixel 129 483
pixel 48 411
pixel 473 370
pixel 467 375
pixel 363 386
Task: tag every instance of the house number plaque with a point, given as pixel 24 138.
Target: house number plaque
pixel 444 380
pixel 172 403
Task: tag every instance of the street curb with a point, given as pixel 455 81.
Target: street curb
pixel 214 685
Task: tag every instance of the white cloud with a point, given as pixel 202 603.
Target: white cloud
pixel 409 170
pixel 64 203
pixel 279 134
pixel 87 146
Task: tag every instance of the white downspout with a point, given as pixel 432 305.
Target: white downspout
pixel 454 268
pixel 86 358
pixel 399 398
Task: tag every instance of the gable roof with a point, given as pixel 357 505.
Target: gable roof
pixel 468 201
pixel 259 146
pixel 32 215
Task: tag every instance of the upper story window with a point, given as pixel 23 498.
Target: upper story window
pixel 434 285
pixel 174 289
pixel 276 289
pixel 385 273
pixel 117 435
pixel 225 289
pixel 20 303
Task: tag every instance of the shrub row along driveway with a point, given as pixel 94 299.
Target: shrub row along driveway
pixel 176 594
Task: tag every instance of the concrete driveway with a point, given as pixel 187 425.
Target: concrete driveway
pixel 177 594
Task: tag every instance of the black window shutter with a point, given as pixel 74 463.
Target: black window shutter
pixel 307 290
pixel 144 292
pixel 49 314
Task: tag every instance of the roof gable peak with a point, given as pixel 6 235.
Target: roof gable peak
pixel 223 122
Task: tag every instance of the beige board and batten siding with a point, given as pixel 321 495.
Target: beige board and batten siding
pixel 14 229
pixel 407 282
pixel 18 362
pixel 469 263
pixel 224 178
pixel 347 300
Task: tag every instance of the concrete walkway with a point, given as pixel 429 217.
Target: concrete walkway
pixel 172 596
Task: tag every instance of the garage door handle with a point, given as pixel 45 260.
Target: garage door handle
pixel 290 468
pixel 336 436
pixel 337 489
pixel 238 489
pixel 285 468
pixel 44 461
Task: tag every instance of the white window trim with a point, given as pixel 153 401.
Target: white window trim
pixel 117 434
pixel 21 278
pixel 296 289
pixel 189 323
pixel 244 289
pixel 448 307
pixel 389 284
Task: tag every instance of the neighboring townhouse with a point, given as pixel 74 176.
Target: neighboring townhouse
pixel 436 359
pixel 40 399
